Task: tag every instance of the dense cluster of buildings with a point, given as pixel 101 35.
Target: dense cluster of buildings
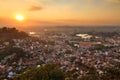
pixel 73 53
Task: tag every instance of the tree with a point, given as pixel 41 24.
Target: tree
pixel 49 71
pixel 8 51
pixel 112 73
pixel 11 33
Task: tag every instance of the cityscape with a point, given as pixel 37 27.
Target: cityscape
pixel 81 56
pixel 60 40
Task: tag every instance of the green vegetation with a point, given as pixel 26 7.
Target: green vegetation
pixel 11 33
pixel 112 73
pixel 49 71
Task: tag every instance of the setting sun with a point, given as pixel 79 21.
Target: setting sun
pixel 19 17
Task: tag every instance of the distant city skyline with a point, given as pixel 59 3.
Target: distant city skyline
pixel 59 12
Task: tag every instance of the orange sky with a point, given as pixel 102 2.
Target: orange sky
pixel 58 12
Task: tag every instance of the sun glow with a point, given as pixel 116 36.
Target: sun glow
pixel 19 17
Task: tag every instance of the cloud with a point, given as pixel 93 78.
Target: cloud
pixel 35 8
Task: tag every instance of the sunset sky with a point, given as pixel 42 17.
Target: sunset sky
pixel 60 12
